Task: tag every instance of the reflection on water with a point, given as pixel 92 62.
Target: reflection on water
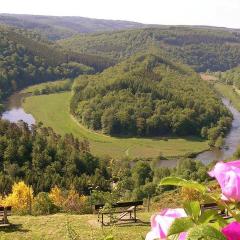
pixel 14 112
pixel 18 114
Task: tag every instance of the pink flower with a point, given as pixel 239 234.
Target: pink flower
pixel 160 223
pixel 232 231
pixel 228 176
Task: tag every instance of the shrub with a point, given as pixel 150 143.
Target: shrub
pixel 75 203
pixel 56 195
pixel 44 205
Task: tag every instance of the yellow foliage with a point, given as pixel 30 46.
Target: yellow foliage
pixel 20 198
pixel 56 196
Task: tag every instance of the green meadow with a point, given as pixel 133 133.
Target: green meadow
pixel 65 226
pixel 53 111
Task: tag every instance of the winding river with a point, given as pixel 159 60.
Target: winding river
pixel 232 140
pixel 14 113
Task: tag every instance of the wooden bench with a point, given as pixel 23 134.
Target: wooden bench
pixel 4 213
pixel 127 212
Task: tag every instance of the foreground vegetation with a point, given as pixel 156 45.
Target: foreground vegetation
pixel 56 115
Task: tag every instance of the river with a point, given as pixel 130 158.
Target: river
pixel 14 113
pixel 232 141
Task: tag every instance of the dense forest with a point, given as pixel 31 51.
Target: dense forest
pixel 44 159
pixel 203 48
pixel 27 59
pixel 147 95
pixel 54 28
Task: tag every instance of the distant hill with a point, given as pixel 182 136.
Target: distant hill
pixel 26 60
pixel 148 95
pixel 203 48
pixel 62 27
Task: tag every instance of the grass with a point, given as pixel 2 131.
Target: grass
pixel 228 92
pixel 54 227
pixel 53 111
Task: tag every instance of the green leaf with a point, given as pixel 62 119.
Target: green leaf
pixel 180 225
pixel 175 181
pixel 193 209
pixel 204 232
pixel 208 215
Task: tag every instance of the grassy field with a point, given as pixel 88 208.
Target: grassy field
pixel 55 227
pixel 229 92
pixel 53 111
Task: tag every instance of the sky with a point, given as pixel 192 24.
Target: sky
pixel 224 13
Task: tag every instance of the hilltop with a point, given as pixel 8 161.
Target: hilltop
pixel 148 95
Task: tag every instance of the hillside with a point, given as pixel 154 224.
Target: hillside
pixel 27 59
pixel 147 95
pixel 61 27
pixel 203 48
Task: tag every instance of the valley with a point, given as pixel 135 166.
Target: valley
pixel 98 115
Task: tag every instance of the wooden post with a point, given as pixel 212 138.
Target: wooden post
pixel 5 220
pixel 148 204
pixel 135 214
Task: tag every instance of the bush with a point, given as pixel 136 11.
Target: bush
pixel 20 199
pixel 43 205
pixel 76 203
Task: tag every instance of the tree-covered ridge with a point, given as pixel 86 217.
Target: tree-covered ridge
pixel 147 95
pixel 203 48
pixel 61 27
pixel 26 59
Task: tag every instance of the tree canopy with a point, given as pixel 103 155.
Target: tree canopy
pixel 148 95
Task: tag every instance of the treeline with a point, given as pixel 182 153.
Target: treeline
pixel 43 159
pixel 48 88
pixel 204 49
pixel 148 95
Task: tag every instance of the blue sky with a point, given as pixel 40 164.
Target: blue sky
pixel 193 12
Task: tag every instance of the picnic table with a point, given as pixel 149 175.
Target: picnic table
pixel 4 213
pixel 125 211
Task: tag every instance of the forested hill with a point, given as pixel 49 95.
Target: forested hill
pixel 25 60
pixel 61 27
pixel 147 95
pixel 203 48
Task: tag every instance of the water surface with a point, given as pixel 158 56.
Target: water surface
pixel 14 112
